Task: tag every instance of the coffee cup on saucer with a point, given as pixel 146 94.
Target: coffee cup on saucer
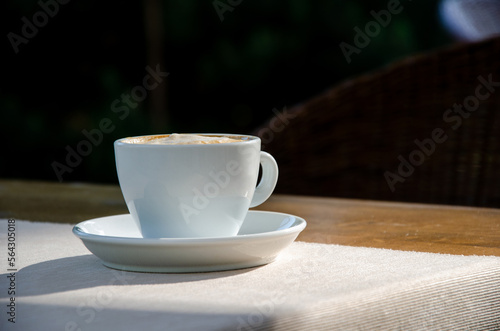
pixel 193 185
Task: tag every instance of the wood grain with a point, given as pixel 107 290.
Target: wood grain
pixel 392 225
pixel 402 226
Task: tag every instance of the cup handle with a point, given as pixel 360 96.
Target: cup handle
pixel 268 181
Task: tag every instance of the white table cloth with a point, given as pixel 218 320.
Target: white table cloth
pixel 60 285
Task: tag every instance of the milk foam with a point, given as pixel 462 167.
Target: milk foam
pixel 182 139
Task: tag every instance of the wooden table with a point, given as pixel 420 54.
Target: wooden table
pixel 402 226
pixel 338 287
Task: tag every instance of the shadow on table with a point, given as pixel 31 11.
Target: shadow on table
pixel 86 317
pixel 87 271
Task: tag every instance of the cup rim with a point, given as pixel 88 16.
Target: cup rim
pixel 246 140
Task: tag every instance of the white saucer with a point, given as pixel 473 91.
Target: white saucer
pixel 117 241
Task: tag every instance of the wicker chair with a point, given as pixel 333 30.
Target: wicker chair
pixel 425 129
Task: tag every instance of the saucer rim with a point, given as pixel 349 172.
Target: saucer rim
pixel 297 227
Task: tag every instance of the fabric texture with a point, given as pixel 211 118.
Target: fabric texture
pixel 60 285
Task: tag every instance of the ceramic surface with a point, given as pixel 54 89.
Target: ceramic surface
pixel 193 190
pixel 117 241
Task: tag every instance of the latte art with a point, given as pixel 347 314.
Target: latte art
pixel 182 139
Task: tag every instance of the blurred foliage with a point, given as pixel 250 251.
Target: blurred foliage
pixel 225 76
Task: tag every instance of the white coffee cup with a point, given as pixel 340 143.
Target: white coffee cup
pixel 195 190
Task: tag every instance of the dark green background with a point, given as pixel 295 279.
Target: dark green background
pixel 225 76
